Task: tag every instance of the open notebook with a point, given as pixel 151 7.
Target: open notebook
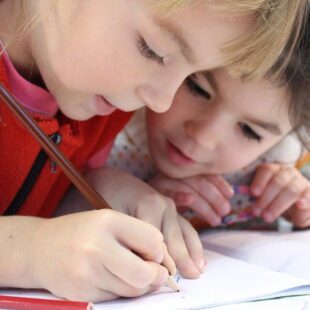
pixel 242 266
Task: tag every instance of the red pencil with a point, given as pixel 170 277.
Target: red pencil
pixel 26 303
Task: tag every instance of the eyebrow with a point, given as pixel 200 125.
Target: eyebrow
pixel 271 127
pixel 175 35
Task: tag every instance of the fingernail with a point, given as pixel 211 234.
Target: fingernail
pixel 188 198
pixel 181 197
pixel 226 208
pixel 268 217
pixel 196 271
pixel 159 257
pixel 257 190
pixel 161 277
pixel 302 203
pixel 230 191
pixel 206 262
pixel 216 222
pixel 257 211
pixel 201 264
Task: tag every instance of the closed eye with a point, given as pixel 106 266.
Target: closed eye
pixel 249 133
pixel 148 53
pixel 195 89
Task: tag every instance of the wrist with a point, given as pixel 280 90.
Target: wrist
pixel 16 255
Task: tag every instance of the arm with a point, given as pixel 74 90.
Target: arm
pixel 16 235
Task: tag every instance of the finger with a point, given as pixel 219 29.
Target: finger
pixel 205 210
pixel 272 190
pixel 193 243
pixel 210 193
pixel 157 204
pixel 168 262
pixel 175 190
pixel 304 200
pixel 131 268
pixel 222 185
pixel 141 237
pixel 301 218
pixel 118 287
pixel 91 295
pixel 86 290
pixel 176 245
pixel 101 296
pixel 262 177
pixel 285 199
pixel 217 201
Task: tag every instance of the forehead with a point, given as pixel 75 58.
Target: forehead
pixel 206 31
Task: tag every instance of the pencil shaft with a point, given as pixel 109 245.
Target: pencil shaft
pixel 53 151
pixel 26 303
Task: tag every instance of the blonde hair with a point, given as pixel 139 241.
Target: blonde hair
pixel 254 54
pixel 278 27
pixel 24 20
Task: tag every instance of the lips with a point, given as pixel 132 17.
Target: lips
pixel 102 106
pixel 176 156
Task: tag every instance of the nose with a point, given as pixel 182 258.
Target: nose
pixel 158 98
pixel 203 134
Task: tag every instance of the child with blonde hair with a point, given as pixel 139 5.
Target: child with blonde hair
pixel 78 66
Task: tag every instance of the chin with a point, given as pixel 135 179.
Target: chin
pixel 77 116
pixel 174 172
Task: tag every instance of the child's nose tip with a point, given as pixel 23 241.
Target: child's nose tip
pixel 156 101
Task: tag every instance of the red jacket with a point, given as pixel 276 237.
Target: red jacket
pixel 27 184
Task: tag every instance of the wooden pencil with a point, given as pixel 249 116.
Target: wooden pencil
pixel 54 152
pixel 91 195
pixel 27 303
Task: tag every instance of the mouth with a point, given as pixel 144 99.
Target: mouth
pixel 176 156
pixel 103 106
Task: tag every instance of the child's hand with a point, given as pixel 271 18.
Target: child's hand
pixel 207 195
pixel 299 214
pixel 130 195
pixel 92 256
pixel 279 188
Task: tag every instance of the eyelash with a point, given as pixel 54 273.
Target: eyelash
pixel 249 133
pixel 148 53
pixel 196 90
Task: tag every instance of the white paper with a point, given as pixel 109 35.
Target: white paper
pixel 288 253
pixel 225 281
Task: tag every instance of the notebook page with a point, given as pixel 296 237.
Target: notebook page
pixel 225 281
pixel 292 303
pixel 282 252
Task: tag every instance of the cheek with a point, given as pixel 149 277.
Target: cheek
pixel 106 65
pixel 239 157
pixel 97 75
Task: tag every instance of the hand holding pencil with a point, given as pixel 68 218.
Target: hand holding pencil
pixel 98 255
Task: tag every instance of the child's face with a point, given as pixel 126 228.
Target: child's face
pixel 217 124
pixel 97 55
